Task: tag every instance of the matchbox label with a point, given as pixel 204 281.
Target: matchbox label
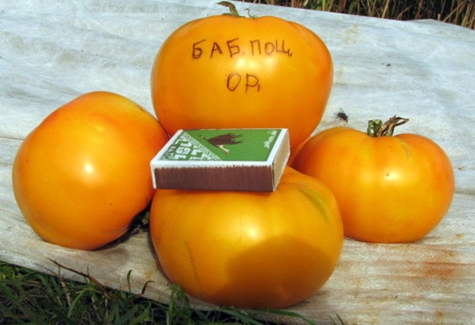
pixel 188 148
pixel 222 145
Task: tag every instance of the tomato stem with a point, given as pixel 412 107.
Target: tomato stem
pixel 233 11
pixel 376 128
pixel 232 8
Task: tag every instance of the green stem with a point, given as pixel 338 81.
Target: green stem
pixel 376 128
pixel 232 8
pixel 233 11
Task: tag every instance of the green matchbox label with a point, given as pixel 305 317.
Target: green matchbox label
pixel 223 145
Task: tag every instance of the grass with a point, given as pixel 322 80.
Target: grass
pixel 459 12
pixel 29 297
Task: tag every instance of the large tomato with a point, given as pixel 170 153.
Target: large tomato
pixel 82 175
pixel 235 72
pixel 249 249
pixel 389 188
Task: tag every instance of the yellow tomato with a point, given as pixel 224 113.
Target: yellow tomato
pixel 249 249
pixel 390 189
pixel 83 174
pixel 237 72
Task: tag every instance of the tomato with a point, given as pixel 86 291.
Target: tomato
pixel 83 174
pixel 249 249
pixel 389 189
pixel 237 72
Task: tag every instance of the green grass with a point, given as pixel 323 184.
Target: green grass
pixel 30 297
pixel 459 12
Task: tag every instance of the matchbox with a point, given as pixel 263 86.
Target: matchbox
pixel 222 159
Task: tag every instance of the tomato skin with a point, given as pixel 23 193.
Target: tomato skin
pixel 390 189
pixel 215 73
pixel 83 174
pixel 249 249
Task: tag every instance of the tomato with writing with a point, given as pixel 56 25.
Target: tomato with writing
pixel 237 72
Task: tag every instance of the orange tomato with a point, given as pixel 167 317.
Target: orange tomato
pixel 249 249
pixel 83 174
pixel 390 189
pixel 237 72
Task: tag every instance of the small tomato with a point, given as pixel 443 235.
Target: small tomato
pixel 249 249
pixel 83 174
pixel 230 71
pixel 389 189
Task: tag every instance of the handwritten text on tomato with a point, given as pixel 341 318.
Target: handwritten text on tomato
pixel 234 47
